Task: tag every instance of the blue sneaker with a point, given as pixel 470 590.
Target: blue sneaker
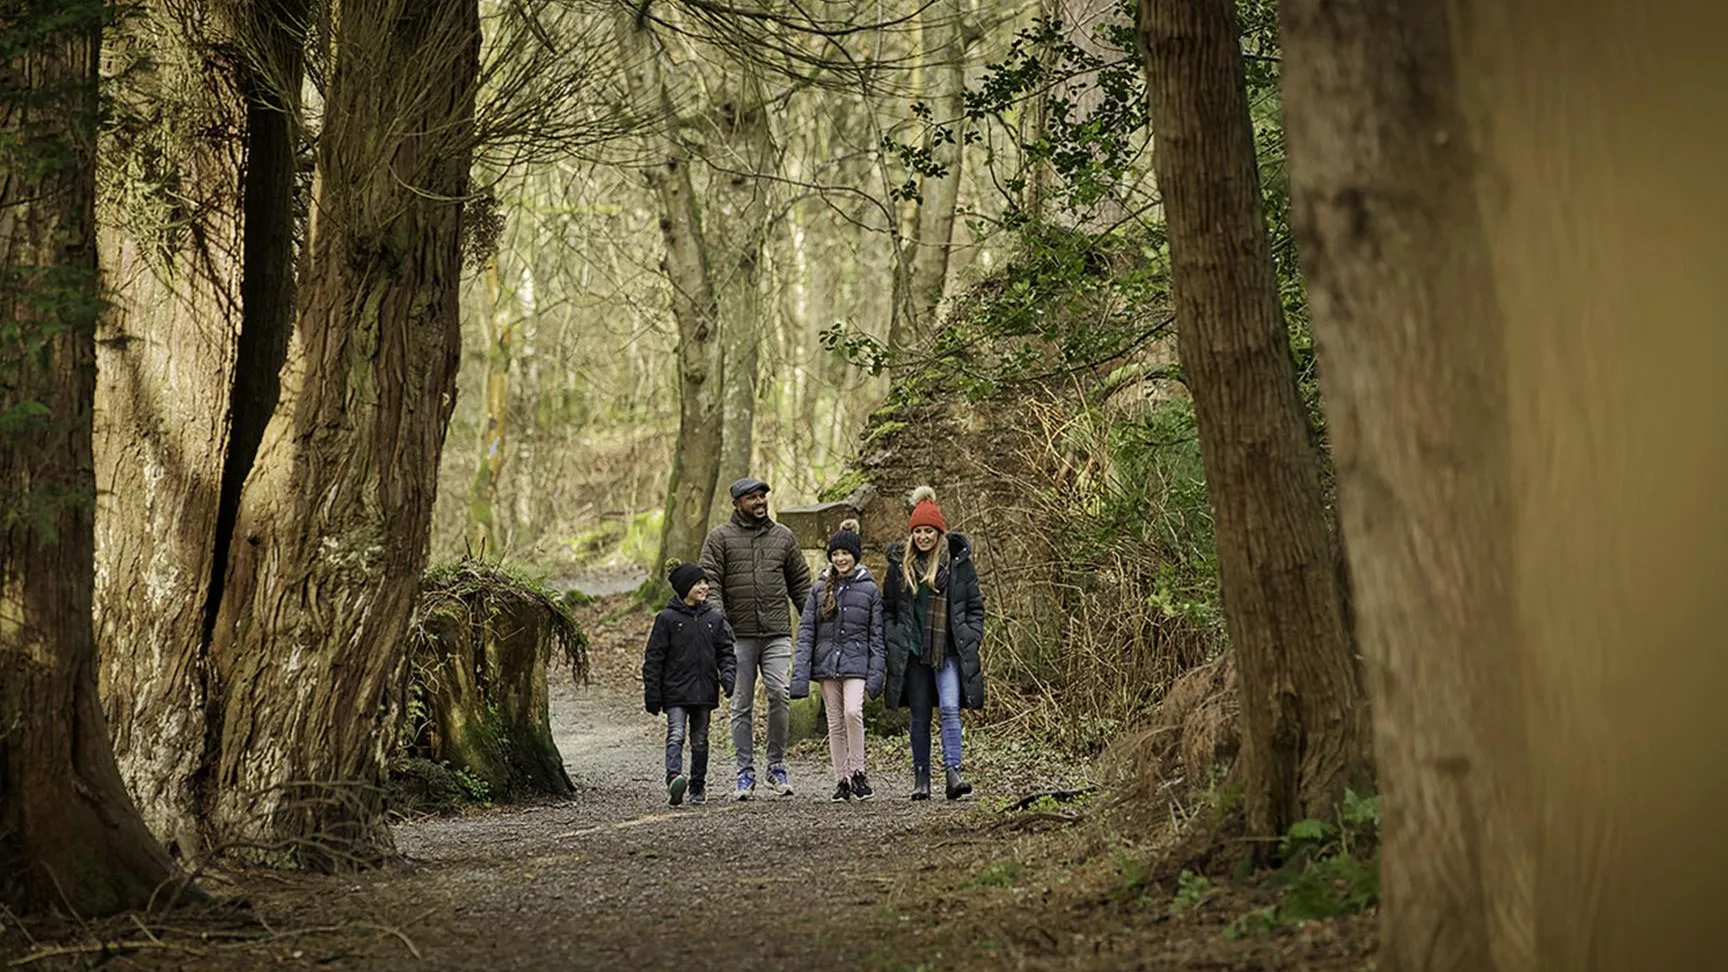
pixel 746 786
pixel 778 781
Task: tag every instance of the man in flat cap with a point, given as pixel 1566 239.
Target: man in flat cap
pixel 756 572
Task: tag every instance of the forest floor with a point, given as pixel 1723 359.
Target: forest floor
pixel 613 878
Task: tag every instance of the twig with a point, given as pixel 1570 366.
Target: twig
pixel 1060 796
pixel 92 948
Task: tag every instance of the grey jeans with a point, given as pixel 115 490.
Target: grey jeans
pixel 692 724
pixel 773 656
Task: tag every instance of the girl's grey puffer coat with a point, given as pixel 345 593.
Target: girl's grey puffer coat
pixel 846 644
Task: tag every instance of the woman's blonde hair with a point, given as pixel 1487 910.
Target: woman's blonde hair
pixel 908 568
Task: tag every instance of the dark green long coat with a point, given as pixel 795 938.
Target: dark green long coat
pixel 965 622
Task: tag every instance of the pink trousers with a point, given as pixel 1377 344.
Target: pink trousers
pixel 843 699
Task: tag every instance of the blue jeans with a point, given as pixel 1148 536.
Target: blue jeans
pixel 693 723
pixel 928 688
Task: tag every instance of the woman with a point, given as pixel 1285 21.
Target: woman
pixel 935 625
pixel 840 645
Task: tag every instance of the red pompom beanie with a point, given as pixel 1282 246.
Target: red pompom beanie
pixel 925 512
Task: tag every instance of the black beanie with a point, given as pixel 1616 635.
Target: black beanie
pixel 847 538
pixel 684 577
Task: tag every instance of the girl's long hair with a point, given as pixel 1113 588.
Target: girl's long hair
pixel 914 561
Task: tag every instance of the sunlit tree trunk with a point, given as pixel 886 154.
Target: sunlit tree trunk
pixel 921 278
pixel 696 458
pixel 333 523
pixel 196 244
pixel 1512 222
pixel 70 836
pixel 484 536
pixel 1304 734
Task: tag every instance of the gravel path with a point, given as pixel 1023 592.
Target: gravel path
pixel 616 879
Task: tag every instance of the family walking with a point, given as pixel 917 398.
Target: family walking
pixel 913 639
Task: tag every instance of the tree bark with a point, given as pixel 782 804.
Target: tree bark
pixel 696 457
pixel 198 176
pixel 738 229
pixel 1511 234
pixel 333 523
pixel 921 277
pixel 1304 736
pixel 70 836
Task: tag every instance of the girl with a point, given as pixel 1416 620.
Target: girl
pixel 687 663
pixel 840 644
pixel 935 616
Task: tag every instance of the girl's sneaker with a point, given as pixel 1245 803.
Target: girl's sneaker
pixel 861 786
pixel 675 788
pixel 842 792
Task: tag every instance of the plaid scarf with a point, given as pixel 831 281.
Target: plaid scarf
pixel 931 615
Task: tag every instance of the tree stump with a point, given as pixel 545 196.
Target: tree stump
pixel 482 641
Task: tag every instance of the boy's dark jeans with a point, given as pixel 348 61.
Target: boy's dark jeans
pixel 691 723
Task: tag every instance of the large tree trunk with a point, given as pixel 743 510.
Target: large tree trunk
pixel 69 834
pixel 1304 736
pixel 696 457
pixel 333 523
pixel 1512 226
pixel 197 255
pixel 921 278
pixel 738 230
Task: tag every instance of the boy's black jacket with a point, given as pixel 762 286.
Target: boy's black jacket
pixel 688 659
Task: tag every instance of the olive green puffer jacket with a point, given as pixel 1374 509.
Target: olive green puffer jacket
pixel 755 571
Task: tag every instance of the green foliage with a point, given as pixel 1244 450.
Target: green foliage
pixel 1002 874
pixel 1192 890
pixel 1330 869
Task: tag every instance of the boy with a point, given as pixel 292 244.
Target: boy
pixel 687 662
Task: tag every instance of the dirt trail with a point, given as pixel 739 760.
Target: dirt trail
pixel 612 878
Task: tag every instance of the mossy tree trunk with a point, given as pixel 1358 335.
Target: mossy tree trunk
pixel 740 190
pixel 196 244
pixel 70 836
pixel 1304 728
pixel 696 457
pixel 482 648
pixel 332 530
pixel 484 536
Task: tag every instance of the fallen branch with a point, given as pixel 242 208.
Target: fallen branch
pixel 121 947
pixel 1060 796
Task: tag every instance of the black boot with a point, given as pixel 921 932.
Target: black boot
pixel 957 786
pixel 920 782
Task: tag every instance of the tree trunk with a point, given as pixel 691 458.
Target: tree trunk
pixel 921 279
pixel 70 835
pixel 483 643
pixel 1304 736
pixel 696 457
pixel 1512 236
pixel 738 229
pixel 308 644
pixel 484 536
pixel 197 258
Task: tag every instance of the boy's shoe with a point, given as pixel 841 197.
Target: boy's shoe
pixel 698 795
pixel 746 786
pixel 675 789
pixel 861 786
pixel 779 782
pixel 842 792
